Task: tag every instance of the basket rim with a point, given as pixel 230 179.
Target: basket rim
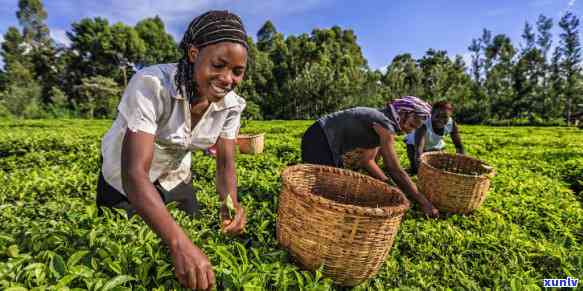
pixel 385 211
pixel 491 172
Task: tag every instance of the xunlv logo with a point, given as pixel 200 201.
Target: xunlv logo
pixel 569 282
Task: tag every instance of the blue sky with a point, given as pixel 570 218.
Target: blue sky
pixel 384 28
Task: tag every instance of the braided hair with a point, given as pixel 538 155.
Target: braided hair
pixel 209 28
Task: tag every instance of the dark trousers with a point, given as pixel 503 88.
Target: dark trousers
pixel 315 148
pixel 412 160
pixel 184 194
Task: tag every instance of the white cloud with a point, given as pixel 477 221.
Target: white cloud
pixel 384 69
pixel 467 57
pixel 60 36
pixel 571 4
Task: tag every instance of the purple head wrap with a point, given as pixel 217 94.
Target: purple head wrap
pixel 412 104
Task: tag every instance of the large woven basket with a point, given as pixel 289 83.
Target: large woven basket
pixel 251 143
pixel 454 183
pixel 338 219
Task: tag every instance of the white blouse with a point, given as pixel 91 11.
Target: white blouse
pixel 433 141
pixel 152 104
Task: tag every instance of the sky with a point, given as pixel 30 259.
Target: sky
pixel 383 28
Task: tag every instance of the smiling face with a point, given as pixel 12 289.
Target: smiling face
pixel 440 117
pixel 218 69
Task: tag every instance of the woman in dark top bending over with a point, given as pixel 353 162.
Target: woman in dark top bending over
pixel 331 136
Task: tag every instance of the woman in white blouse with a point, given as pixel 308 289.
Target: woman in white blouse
pixel 166 112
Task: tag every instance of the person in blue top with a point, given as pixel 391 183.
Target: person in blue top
pixel 430 136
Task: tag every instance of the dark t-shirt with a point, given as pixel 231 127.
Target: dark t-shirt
pixel 352 128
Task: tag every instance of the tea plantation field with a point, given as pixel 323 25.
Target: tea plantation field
pixel 529 228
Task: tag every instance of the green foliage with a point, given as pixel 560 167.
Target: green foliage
pixel 99 97
pixel 4 112
pixel 160 45
pixel 51 237
pixel 311 74
pixel 32 15
pixel 13 46
pixel 100 49
pixel 265 36
pixel 22 97
pixel 252 111
pixel 571 63
pixel 58 97
pixel 403 77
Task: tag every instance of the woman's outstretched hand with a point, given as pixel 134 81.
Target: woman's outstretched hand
pixel 192 267
pixel 430 210
pixel 235 224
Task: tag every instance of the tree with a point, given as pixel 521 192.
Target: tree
pixel 100 49
pixel 40 48
pixel 258 78
pixel 265 36
pixel 544 38
pixel 3 80
pixel 486 42
pixel 557 84
pixel 528 72
pixel 13 47
pixel 570 46
pixel 459 81
pixel 435 64
pixel 529 37
pixel 127 48
pixel 98 97
pixel 544 42
pixel 32 16
pixel 297 60
pixel 403 77
pixel 160 45
pixel 22 94
pixel 499 81
pixel 273 105
pixel 21 91
pixel 446 79
pixel 476 66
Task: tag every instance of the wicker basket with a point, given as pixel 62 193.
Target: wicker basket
pixel 338 219
pixel 454 183
pixel 251 144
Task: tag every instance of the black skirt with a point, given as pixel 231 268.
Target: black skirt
pixel 315 148
pixel 184 194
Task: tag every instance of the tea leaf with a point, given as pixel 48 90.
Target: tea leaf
pixel 76 257
pixel 58 266
pixel 117 281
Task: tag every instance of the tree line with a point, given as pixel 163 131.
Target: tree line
pixel 301 76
